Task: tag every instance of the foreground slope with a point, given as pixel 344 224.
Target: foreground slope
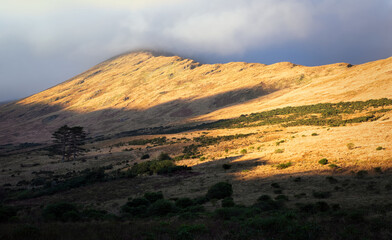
pixel 140 90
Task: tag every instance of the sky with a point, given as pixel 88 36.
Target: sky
pixel 46 42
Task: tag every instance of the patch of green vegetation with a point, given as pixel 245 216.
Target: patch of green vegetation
pixel 379 148
pixel 279 150
pixel 284 165
pixel 219 191
pixel 350 146
pixel 244 151
pixel 322 114
pixel 323 161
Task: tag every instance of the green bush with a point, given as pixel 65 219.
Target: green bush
pixel 161 207
pixel 145 156
pixel 284 165
pixel 379 148
pixel 219 191
pixel 323 161
pixel 244 151
pixel 279 150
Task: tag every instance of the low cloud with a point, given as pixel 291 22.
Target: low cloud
pixel 73 35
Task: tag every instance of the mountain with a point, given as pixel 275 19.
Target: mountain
pixel 143 90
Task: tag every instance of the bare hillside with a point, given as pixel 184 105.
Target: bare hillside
pixel 140 90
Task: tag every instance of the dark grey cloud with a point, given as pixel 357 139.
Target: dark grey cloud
pixel 43 43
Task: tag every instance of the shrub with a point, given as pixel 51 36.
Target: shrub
pixel 226 166
pixel 275 185
pixel 314 134
pixel 161 207
pixel 228 213
pixel 228 202
pixel 186 232
pixel 279 150
pixel 164 156
pixel 378 169
pixel 265 203
pixel 244 151
pixel 145 156
pixel 202 158
pixel 284 165
pixel 321 194
pixel 331 180
pixel 331 165
pixel 153 196
pixel 379 148
pixel 350 146
pixel 200 200
pixel 281 198
pixel 184 202
pixel 219 190
pixel 61 212
pixel 361 173
pixel 323 161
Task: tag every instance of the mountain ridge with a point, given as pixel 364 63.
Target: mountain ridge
pixel 137 90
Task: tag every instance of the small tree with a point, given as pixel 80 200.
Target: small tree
pixel 68 141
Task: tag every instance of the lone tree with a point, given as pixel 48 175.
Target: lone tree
pixel 68 141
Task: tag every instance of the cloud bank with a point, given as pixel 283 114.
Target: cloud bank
pixel 43 43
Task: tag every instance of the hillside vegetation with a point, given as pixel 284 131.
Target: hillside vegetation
pixel 180 150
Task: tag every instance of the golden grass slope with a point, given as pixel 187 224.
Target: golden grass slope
pixel 140 90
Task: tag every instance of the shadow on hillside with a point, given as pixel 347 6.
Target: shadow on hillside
pixel 23 123
pixel 231 165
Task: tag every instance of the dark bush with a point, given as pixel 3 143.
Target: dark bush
pixel 184 202
pixel 153 196
pixel 265 203
pixel 93 214
pixel 61 212
pixel 164 156
pixel 281 198
pixel 331 180
pixel 200 200
pixel 161 207
pixel 6 213
pixel 322 206
pixel 362 173
pixel 219 191
pixel 321 194
pixel 136 207
pixel 226 166
pixel 228 202
pixel 145 156
pixel 229 212
pixel 187 232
